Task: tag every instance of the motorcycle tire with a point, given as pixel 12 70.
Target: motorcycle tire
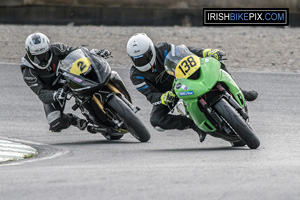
pixel 237 123
pixel 134 124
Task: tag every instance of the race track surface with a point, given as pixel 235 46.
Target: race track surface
pixel 172 165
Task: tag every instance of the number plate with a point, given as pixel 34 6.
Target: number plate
pixel 80 66
pixel 187 66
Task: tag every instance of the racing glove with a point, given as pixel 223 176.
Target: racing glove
pixel 104 53
pixel 216 53
pixel 167 98
pixel 59 95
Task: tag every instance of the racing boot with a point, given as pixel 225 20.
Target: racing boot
pixel 81 124
pixel 250 95
pixel 202 134
pixel 91 129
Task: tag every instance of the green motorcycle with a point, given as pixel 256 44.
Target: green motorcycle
pixel 210 97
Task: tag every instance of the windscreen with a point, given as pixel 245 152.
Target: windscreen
pixel 174 57
pixel 76 62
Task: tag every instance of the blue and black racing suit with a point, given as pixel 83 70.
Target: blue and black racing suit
pixel 154 82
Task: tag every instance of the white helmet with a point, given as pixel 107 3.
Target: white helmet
pixel 37 46
pixel 141 50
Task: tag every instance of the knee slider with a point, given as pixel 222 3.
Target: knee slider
pixel 156 121
pixel 55 120
pixel 153 121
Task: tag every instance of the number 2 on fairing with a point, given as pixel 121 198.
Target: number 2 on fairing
pixel 80 66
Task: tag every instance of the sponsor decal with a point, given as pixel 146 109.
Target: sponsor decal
pixel 184 87
pixel 40 50
pixel 186 93
pixel 178 86
pixel 53 116
pixel 78 80
pixel 156 103
pixel 30 78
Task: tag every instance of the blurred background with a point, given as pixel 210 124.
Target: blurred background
pixel 127 12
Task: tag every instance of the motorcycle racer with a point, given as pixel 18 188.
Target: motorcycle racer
pixel 149 77
pixel 38 67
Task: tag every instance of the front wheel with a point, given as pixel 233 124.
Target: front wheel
pixel 133 123
pixel 237 123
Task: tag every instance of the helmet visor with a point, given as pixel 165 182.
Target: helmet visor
pixel 42 59
pixel 143 59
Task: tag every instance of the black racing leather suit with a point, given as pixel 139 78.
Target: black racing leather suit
pixel 40 82
pixel 154 82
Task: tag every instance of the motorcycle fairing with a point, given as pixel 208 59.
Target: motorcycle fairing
pixel 100 67
pixel 81 85
pixel 210 74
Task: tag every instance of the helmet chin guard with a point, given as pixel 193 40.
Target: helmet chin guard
pixel 43 67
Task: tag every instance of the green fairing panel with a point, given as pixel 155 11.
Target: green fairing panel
pixel 209 76
pixel 233 87
pixel 189 90
pixel 198 117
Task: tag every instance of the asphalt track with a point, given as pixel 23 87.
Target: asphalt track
pixel 172 165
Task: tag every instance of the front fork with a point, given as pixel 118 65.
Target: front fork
pixel 216 116
pixel 107 112
pixel 234 103
pixel 215 122
pixel 112 88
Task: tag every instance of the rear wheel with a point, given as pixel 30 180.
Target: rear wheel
pixel 237 123
pixel 132 122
